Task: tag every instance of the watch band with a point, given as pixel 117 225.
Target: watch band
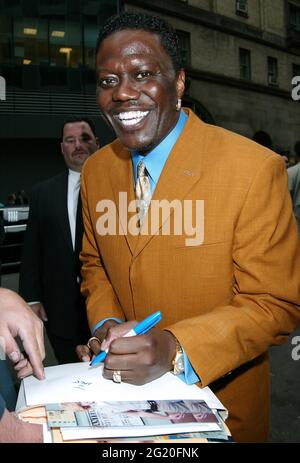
pixel 178 360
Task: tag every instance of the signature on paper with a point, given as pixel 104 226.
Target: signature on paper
pixel 80 384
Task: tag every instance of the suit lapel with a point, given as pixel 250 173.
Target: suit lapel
pixel 180 173
pixel 79 227
pixel 123 184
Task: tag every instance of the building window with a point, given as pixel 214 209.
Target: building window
pixel 241 8
pixel 52 2
pixel 245 64
pixel 185 46
pixel 65 43
pixel 5 39
pixel 296 70
pixel 272 71
pixel 30 41
pixel 90 32
pixel 295 17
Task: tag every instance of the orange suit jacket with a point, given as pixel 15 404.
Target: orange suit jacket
pixel 226 300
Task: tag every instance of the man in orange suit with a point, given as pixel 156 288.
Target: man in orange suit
pixel 216 271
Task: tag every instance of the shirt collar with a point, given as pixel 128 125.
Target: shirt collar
pixel 74 176
pixel 156 159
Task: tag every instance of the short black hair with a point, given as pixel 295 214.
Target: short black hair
pixel 142 21
pixel 297 148
pixel 72 119
pixel 263 138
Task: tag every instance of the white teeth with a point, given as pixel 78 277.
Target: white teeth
pixel 131 117
pixel 131 121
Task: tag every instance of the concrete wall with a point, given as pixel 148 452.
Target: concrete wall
pixel 247 112
pixel 268 15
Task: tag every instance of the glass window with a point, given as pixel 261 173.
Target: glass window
pixel 245 64
pixel 65 43
pixel 53 76
pixel 10 4
pixel 185 45
pixel 5 39
pixel 295 17
pixel 30 41
pixel 90 38
pixel 296 70
pixel 52 2
pixel 241 8
pixel 272 71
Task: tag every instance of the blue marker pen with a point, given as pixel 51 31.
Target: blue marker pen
pixel 140 328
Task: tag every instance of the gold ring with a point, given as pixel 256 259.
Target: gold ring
pixel 93 338
pixel 117 376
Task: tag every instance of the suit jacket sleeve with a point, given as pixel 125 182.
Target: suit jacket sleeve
pixel 266 284
pixel 101 300
pixel 30 272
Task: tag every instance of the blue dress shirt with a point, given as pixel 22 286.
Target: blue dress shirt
pixel 154 163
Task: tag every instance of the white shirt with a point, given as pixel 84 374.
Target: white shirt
pixel 73 192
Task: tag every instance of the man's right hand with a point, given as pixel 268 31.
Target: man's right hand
pixel 39 310
pixel 17 319
pixel 86 353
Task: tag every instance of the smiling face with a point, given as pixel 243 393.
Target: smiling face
pixel 138 88
pixel 78 143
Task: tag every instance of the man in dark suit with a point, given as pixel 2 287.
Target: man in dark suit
pixel 50 268
pixel 2 236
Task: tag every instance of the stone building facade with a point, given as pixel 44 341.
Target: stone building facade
pixel 241 57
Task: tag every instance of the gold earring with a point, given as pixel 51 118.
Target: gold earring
pixel 178 104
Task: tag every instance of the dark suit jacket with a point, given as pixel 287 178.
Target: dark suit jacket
pixel 50 267
pixel 7 388
pixel 2 236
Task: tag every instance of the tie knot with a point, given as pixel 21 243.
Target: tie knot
pixel 141 169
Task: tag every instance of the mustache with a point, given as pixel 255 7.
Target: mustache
pixel 79 151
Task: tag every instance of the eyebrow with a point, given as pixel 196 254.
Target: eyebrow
pixel 84 134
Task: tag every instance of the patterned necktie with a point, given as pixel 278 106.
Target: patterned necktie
pixel 142 192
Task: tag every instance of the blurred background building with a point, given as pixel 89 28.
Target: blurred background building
pixel 240 58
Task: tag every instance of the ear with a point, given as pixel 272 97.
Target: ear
pixel 62 148
pixel 180 83
pixel 97 142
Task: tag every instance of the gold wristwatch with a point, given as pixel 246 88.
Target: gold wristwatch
pixel 178 360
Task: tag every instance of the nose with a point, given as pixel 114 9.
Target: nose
pixel 77 143
pixel 126 90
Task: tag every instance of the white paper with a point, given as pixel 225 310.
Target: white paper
pixel 47 435
pixel 78 382
pixel 90 433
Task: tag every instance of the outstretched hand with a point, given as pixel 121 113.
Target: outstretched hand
pixel 17 319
